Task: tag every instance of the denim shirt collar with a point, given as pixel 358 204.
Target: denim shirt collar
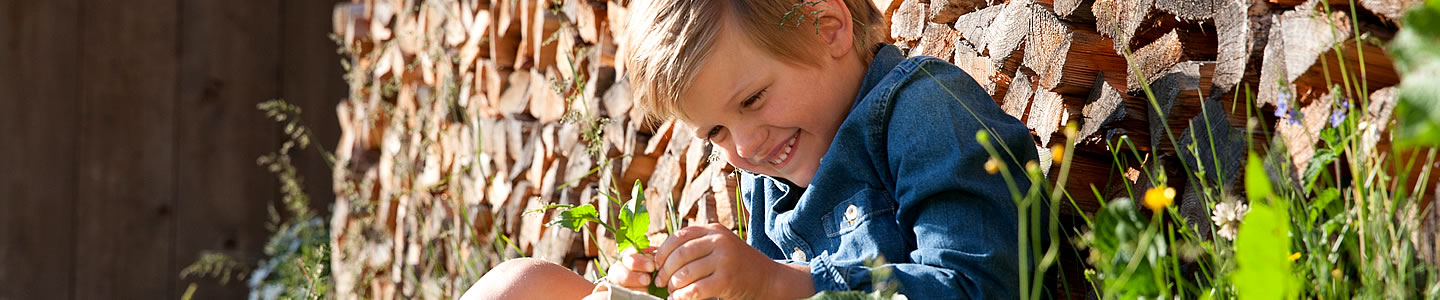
pixel 887 56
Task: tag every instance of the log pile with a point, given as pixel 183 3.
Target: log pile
pixel 467 117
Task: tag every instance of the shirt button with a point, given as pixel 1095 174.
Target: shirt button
pixel 852 213
pixel 798 255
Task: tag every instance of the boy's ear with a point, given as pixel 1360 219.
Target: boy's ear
pixel 834 24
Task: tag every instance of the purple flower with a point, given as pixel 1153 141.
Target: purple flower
pixel 1283 111
pixel 1282 106
pixel 1337 117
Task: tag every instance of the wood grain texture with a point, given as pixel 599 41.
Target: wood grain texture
pixel 126 204
pixel 38 46
pixel 220 193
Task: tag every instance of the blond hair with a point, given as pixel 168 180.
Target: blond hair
pixel 668 40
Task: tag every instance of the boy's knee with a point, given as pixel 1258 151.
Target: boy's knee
pixel 506 281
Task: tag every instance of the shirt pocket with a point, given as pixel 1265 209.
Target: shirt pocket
pixel 867 212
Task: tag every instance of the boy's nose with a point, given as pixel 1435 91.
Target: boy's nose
pixel 749 143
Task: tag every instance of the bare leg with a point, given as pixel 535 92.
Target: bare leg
pixel 529 278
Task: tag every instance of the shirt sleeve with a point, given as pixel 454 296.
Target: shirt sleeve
pixel 963 220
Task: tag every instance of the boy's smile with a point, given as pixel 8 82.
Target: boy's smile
pixel 772 116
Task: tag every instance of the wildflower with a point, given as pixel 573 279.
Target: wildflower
pixel 1337 116
pixel 1282 108
pixel 1158 198
pixel 1227 216
pixel 1336 272
pixel 1059 152
pixel 992 166
pixel 1294 256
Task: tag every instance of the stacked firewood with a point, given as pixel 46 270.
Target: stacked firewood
pixel 1166 79
pixel 466 118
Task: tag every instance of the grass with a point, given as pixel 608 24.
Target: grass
pixel 296 261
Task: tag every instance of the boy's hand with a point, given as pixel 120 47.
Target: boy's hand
pixel 709 261
pixel 633 270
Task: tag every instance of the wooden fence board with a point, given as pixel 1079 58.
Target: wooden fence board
pixel 227 65
pixel 37 147
pixel 311 74
pixel 124 211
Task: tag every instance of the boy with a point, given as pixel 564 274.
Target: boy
pixel 851 152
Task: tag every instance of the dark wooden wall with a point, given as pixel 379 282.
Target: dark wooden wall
pixel 128 137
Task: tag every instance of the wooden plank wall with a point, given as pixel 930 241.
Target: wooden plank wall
pixel 128 137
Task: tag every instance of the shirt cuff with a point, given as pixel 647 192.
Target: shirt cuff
pixel 827 277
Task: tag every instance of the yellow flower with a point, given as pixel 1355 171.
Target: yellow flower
pixel 1294 256
pixel 1059 152
pixel 1336 272
pixel 1158 198
pixel 992 166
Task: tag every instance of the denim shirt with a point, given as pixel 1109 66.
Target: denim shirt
pixel 903 180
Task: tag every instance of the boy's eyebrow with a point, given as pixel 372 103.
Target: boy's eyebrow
pixel 737 90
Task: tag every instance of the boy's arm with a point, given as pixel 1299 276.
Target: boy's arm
pixel 962 219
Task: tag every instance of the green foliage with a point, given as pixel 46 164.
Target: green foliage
pixel 1416 50
pixel 298 251
pixel 1262 248
pixel 630 228
pixel 634 221
pixel 1126 251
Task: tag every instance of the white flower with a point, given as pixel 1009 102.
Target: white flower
pixel 1227 216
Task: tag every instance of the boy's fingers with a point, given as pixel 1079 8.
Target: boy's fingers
pixel 638 263
pixel 683 255
pixel 694 271
pixel 701 289
pixel 684 235
pixel 631 280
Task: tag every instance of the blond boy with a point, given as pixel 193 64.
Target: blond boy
pixel 852 152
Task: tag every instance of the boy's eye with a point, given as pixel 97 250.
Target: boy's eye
pixel 713 131
pixel 753 98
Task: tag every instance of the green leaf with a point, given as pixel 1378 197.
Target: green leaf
pixel 634 221
pixel 1317 164
pixel 575 217
pixel 1262 250
pixel 1257 182
pixel 1416 51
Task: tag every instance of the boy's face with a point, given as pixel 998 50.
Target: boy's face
pixel 769 116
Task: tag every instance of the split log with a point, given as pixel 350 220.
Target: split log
pixel 1293 47
pixel 543 25
pixel 546 104
pixel 980 68
pixel 945 11
pixel 1233 33
pixel 504 35
pixel 1211 146
pixel 1066 56
pixel 1190 10
pixel 1017 99
pixel 1166 89
pixel 1047 114
pixel 1007 33
pixel 938 41
pixel 973 27
pixel 1390 9
pixel 908 23
pixel 1103 107
pixel 1075 10
pixel 1119 19
pixel 1153 59
pixel 516 98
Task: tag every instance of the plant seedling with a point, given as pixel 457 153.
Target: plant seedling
pixel 629 229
